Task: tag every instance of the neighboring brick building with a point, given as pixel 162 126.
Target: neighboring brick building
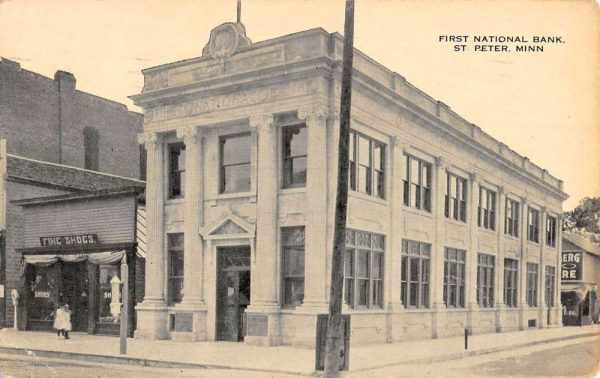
pixel 26 179
pixel 50 120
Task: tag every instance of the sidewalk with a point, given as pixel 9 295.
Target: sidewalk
pixel 227 355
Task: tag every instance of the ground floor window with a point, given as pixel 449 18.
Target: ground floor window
pixel 532 285
pixel 44 283
pixel 414 274
pixel 292 241
pixel 105 276
pixel 454 277
pixel 175 268
pixel 510 282
pixel 363 269
pixel 485 280
pixel 550 275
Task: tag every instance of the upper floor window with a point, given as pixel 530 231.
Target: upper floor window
pixel 91 148
pixel 533 225
pixel 486 217
pixel 417 183
pixel 511 222
pixel 456 198
pixel 176 170
pixel 234 152
pixel 292 242
pixel 551 231
pixel 366 165
pixel 294 142
pixel 363 269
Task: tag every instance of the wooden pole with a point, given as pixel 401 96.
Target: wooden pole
pixel 125 305
pixel 335 331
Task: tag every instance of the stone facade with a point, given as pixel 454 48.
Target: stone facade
pixel 45 119
pixel 240 88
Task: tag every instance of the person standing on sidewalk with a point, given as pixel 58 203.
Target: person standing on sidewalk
pixel 62 321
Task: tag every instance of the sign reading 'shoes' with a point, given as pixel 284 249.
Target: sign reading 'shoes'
pixel 69 240
pixel 571 266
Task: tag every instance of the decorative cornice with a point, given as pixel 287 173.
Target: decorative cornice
pixel 262 122
pixel 148 138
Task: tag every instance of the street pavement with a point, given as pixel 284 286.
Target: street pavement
pixel 365 360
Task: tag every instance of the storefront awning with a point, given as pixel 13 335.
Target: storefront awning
pixel 94 258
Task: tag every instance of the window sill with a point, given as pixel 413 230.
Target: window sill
pixel 232 196
pixel 174 201
pixel 367 197
pixel 512 237
pixel 487 231
pixel 456 222
pixel 532 243
pixel 292 190
pixel 416 211
pixel 365 310
pixel 417 310
pixel 456 309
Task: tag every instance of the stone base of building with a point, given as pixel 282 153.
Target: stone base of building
pixel 187 322
pixel 152 321
pixel 263 325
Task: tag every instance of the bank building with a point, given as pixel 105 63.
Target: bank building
pixel 448 228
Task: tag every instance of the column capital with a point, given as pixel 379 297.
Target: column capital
pixel 149 138
pixel 543 210
pixel 189 134
pixel 440 162
pixel 524 201
pixel 473 177
pixel 262 122
pixel 501 190
pixel 314 113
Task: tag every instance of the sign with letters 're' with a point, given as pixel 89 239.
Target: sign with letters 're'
pixel 571 266
pixel 69 240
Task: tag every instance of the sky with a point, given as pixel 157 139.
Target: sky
pixel 544 105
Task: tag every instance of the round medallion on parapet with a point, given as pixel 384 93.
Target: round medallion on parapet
pixel 225 39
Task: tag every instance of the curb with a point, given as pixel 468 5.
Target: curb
pixel 474 353
pixel 189 365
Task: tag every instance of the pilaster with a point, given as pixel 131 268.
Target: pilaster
pixel 152 312
pixel 499 261
pixel 396 217
pixel 264 306
pixel 556 313
pixel 471 264
pixel 542 307
pixel 437 261
pixel 522 288
pixel 193 300
pixel 315 255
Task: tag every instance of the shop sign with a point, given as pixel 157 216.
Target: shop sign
pixel 571 266
pixel 69 240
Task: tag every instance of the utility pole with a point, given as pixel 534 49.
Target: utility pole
pixel 335 332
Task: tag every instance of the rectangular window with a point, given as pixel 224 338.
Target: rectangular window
pixel 550 276
pixel 511 222
pixel 456 198
pixel 105 274
pixel 292 242
pixel 532 284
pixel 487 209
pixel 234 151
pixel 294 142
pixel 176 170
pixel 175 268
pixel 485 280
pixel 454 277
pixel 363 269
pixel 533 225
pixel 91 148
pixel 510 282
pixel 417 183
pixel 550 231
pixel 366 165
pixel 414 274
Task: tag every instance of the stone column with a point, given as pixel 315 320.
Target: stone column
pixel 522 278
pixel 499 261
pixel 541 282
pixel 152 312
pixel 556 313
pixel 437 258
pixel 193 299
pixel 471 263
pixel 315 255
pixel 262 314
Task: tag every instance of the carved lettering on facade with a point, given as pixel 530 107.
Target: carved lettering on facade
pixel 233 100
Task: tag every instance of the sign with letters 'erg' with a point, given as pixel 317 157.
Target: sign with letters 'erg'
pixel 69 240
pixel 571 266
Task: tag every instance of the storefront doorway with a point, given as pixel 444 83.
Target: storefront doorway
pixel 233 292
pixel 75 293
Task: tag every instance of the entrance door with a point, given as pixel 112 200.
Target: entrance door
pixel 233 292
pixel 75 293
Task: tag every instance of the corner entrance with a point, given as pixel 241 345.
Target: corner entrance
pixel 233 292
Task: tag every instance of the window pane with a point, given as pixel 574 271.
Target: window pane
pixel 377 273
pixel 364 154
pixel 364 179
pixel 235 149
pixel 414 172
pixel 378 156
pixel 236 178
pixel 294 262
pixel 297 137
pixel 293 291
pixel 363 264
